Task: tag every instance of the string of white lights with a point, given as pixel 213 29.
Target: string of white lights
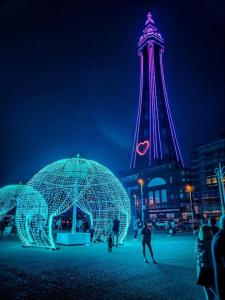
pixel 63 184
pixel 8 198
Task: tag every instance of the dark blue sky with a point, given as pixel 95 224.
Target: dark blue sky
pixel 70 78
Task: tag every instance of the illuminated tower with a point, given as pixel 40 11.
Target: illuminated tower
pixel 157 178
pixel 155 140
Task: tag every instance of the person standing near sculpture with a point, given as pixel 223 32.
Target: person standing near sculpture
pixel 59 224
pixel 146 241
pixel 218 255
pixel 115 229
pixel 2 227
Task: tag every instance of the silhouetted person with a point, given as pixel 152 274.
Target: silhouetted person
pixel 218 254
pixel 140 225
pixel 110 243
pixel 146 241
pixel 195 227
pixel 2 227
pixel 173 226
pixel 212 224
pixel 115 229
pixel 59 224
pixel 205 274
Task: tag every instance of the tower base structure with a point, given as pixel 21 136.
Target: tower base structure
pixel 162 194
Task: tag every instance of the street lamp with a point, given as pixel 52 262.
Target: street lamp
pixel 135 203
pixel 141 183
pixel 189 189
pixel 220 179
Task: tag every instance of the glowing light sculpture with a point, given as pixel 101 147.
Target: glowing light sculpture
pixel 62 185
pixel 154 121
pixel 8 198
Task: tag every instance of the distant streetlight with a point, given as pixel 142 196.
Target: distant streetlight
pixel 135 203
pixel 141 183
pixel 189 189
pixel 220 171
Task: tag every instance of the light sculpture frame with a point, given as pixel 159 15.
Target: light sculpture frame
pixel 64 184
pixel 8 198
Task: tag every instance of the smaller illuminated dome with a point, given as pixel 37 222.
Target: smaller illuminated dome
pixel 8 198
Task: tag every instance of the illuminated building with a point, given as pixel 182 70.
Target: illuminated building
pixel 156 155
pixel 67 183
pixel 205 160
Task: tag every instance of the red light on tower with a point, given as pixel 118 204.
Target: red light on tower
pixel 143 147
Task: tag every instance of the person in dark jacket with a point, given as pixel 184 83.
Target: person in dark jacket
pixel 218 254
pixel 2 227
pixel 212 223
pixel 205 274
pixel 146 241
pixel 110 243
pixel 115 229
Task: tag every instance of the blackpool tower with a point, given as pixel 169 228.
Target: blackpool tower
pixel 157 178
pixel 155 140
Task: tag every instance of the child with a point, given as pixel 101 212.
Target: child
pixel 110 243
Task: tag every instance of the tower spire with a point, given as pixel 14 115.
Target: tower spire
pixel 149 19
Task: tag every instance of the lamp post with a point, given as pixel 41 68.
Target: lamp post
pixel 189 190
pixel 141 183
pixel 220 171
pixel 135 203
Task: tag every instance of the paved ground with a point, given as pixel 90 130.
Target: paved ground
pixel 90 272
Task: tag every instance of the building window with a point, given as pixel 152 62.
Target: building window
pixel 163 195
pixel 157 196
pixel 181 196
pixel 150 197
pixel 171 179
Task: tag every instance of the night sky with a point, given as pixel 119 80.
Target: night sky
pixel 70 78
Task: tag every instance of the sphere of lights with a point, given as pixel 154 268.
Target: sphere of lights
pixel 63 184
pixel 8 198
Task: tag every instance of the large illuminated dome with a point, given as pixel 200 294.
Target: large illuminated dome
pixel 63 184
pixel 8 196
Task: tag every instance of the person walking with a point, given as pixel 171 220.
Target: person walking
pixel 140 225
pixel 205 274
pixel 2 227
pixel 218 255
pixel 110 243
pixel 59 224
pixel 115 229
pixel 213 226
pixel 146 241
pixel 173 227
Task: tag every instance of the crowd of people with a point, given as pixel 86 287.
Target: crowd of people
pixel 210 254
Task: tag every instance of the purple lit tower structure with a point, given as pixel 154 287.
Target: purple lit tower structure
pixel 156 157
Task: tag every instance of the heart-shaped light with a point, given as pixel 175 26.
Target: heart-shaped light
pixel 142 147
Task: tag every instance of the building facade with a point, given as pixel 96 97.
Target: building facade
pixel 205 159
pixel 157 177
